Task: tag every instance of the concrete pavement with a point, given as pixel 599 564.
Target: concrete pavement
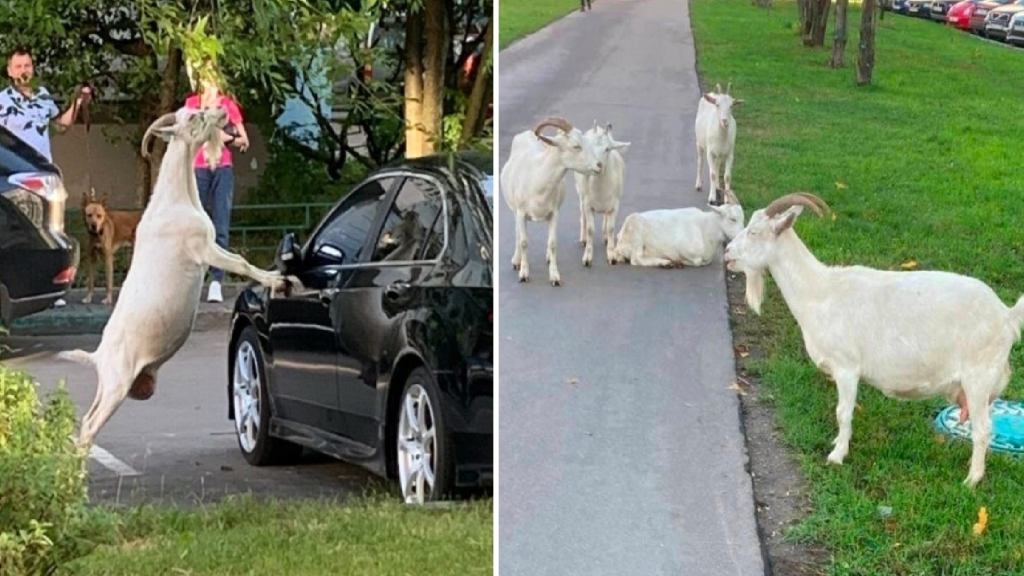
pixel 621 447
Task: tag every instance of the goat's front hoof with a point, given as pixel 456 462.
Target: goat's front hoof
pixel 524 278
pixel 699 187
pixel 586 262
pixel 556 282
pixel 972 479
pixel 515 266
pixel 836 457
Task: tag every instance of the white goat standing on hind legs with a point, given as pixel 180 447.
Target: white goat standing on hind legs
pixel 601 193
pixel 174 246
pixel 911 335
pixel 715 129
pixel 532 183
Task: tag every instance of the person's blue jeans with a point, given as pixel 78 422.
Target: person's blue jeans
pixel 216 193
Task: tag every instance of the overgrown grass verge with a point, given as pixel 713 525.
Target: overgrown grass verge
pixel 921 169
pixel 517 18
pixel 378 536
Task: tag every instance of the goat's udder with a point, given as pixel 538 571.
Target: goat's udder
pixel 143 388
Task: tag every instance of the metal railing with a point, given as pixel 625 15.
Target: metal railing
pixel 256 230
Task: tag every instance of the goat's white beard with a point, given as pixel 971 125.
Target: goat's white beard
pixel 755 289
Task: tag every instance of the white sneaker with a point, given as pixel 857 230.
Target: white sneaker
pixel 60 303
pixel 214 295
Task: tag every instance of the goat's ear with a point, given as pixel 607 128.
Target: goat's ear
pixel 710 98
pixel 738 102
pixel 786 220
pixel 623 146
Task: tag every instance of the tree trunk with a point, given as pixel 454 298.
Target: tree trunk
pixel 478 97
pixel 806 17
pixel 434 64
pixel 154 106
pixel 820 23
pixel 839 46
pixel 414 136
pixel 866 52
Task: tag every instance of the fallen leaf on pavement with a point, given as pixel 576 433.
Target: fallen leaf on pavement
pixel 572 381
pixel 739 389
pixel 741 351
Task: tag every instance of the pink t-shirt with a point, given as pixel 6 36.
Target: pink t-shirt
pixel 234 117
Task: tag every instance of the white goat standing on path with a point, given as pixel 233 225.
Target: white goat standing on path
pixel 601 193
pixel 715 129
pixel 174 246
pixel 532 182
pixel 911 335
pixel 678 237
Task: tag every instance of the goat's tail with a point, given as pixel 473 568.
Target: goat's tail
pixel 80 356
pixel 1017 314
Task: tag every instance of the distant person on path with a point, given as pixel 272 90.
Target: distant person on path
pixel 585 5
pixel 27 111
pixel 217 187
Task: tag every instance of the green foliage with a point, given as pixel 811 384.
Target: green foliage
pixel 44 520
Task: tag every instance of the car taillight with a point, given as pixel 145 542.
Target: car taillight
pixel 66 276
pixel 48 187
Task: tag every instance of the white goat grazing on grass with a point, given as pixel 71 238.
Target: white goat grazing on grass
pixel 911 335
pixel 601 193
pixel 532 182
pixel 679 237
pixel 174 245
pixel 715 129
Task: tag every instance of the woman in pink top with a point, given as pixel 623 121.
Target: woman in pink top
pixel 217 187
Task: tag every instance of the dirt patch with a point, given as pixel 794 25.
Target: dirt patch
pixel 780 493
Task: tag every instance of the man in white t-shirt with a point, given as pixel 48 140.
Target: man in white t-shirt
pixel 27 112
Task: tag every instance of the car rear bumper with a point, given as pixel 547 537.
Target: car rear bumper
pixel 36 290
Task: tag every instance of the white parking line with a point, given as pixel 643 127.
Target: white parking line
pixel 111 462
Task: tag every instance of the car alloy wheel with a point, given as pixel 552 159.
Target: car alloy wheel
pixel 417 446
pixel 246 388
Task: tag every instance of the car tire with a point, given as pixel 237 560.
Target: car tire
pixel 423 442
pixel 250 396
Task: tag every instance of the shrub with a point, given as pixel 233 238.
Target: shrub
pixel 44 517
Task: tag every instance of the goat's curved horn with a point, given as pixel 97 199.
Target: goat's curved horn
pixel 797 199
pixel 718 88
pixel 559 123
pixel 166 120
pixel 728 87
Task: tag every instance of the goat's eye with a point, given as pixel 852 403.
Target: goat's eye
pixel 577 147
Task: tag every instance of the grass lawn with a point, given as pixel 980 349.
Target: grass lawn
pixel 517 18
pixel 922 166
pixel 378 536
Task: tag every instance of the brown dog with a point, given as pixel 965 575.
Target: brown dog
pixel 108 230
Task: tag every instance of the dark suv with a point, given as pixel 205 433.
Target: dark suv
pixel 37 259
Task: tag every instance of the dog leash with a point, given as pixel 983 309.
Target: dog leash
pixel 87 121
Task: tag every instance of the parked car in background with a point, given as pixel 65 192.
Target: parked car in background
pixel 997 21
pixel 901 6
pixel 384 356
pixel 38 260
pixel 940 8
pixel 959 14
pixel 977 21
pixel 919 8
pixel 1015 34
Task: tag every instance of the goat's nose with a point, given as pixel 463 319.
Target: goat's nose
pixel 600 166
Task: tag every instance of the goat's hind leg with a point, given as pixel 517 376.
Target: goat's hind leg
pixel 846 383
pixel 980 392
pixel 111 389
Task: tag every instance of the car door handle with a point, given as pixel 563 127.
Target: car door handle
pixel 396 290
pixel 328 294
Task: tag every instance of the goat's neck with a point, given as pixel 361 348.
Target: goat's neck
pixel 799 275
pixel 176 170
pixel 552 170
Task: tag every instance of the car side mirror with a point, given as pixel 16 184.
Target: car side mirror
pixel 289 254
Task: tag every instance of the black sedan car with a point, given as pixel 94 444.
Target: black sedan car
pixel 383 355
pixel 38 260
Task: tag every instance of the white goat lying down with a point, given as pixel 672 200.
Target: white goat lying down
pixel 601 193
pixel 174 245
pixel 533 184
pixel 679 237
pixel 715 129
pixel 911 335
